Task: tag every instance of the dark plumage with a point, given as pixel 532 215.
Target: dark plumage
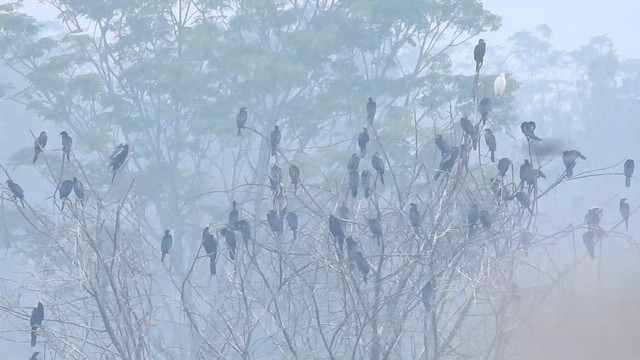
pixel 523 199
pixel 362 264
pixel 447 162
pixel 365 182
pixel 629 165
pixel 230 239
pixel 294 175
pixel 625 211
pixel 528 128
pixel 427 293
pixel 485 219
pixel 275 222
pixel 34 356
pixel 588 239
pixel 470 130
pixel 354 180
pixel 478 54
pixel 378 165
pixel 210 246
pixel 490 139
pixel 275 138
pixel 245 229
pixel 292 221
pixel 525 173
pixel 241 119
pixel 165 245
pixel 16 190
pixel 118 158
pixel 485 108
pixel 569 158
pixel 275 177
pixel 375 228
pixel 354 162
pixel 363 139
pixel 65 190
pixel 39 144
pixel 593 217
pixel 336 230
pixel 67 145
pixel 473 215
pixel 503 166
pixel 234 215
pixel 371 110
pixel 78 189
pixel 442 145
pixel 37 315
pixel 414 217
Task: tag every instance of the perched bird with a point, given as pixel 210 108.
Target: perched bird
pixel 629 165
pixel 473 215
pixel 118 158
pixel 294 175
pixel 275 177
pixel 442 145
pixel 625 211
pixel 588 239
pixel 375 228
pixel 496 186
pixel 363 139
pixel 352 247
pixel 230 239
pixel 354 162
pixel 447 162
pixel 378 165
pixel 16 190
pixel 37 315
pixel 485 219
pixel 354 179
pixel 65 190
pixel 593 216
pixel 234 215
pixel 523 199
pixel 67 144
pixel 210 246
pixel 525 173
pixel 336 230
pixel 276 135
pixel 245 229
pixel 275 222
pixel 478 54
pixel 371 110
pixel 485 108
pixel 39 144
pixel 78 189
pixel 343 212
pixel 34 356
pixel 292 221
pixel 503 166
pixel 427 295
pixel 569 158
pixel 241 119
pixel 165 245
pixel 414 217
pixel 500 85
pixel 490 139
pixel 528 128
pixel 470 130
pixel 365 182
pixel 362 264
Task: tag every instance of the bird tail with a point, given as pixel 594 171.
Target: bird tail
pixel 493 156
pixel 239 133
pixel 295 234
pixel 367 193
pixel 354 192
pixel 340 248
pixel 34 336
pixel 364 278
pixel 274 150
pixel 212 264
pixel 114 176
pixel 569 172
pixel 163 255
pixel 627 181
pixel 63 204
pixel 626 223
pixel 478 66
pixel 232 253
pixel 382 178
pixel 370 119
pixel 475 142
pixel 35 157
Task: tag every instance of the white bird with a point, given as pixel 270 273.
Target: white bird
pixel 500 85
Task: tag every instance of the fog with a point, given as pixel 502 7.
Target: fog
pixel 168 78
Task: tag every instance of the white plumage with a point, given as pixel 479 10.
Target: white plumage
pixel 500 85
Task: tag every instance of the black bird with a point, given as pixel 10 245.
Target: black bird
pixel 245 229
pixel 275 222
pixel 414 217
pixel 67 144
pixel 165 245
pixel 485 219
pixel 503 166
pixel 39 144
pixel 343 212
pixel 292 221
pixel 470 130
pixel 525 173
pixel 625 210
pixel 588 239
pixel 496 186
pixel 528 128
pixel 16 190
pixel 478 54
pixel 473 215
pixel 230 239
pixel 210 246
pixel 593 217
pixel 375 228
pixel 37 315
pixel 362 264
pixel 427 295
pixel 354 162
pixel 569 158
pixel 363 139
pixel 352 247
pixel 354 179
pixel 241 119
pixel 365 182
pixel 629 165
pixel 442 145
pixel 371 110
pixel 523 199
pixel 485 108
pixel 336 230
pixel 78 189
pixel 294 175
pixel 234 215
pixel 447 162
pixel 118 158
pixel 276 135
pixel 490 139
pixel 34 356
pixel 65 190
pixel 275 177
pixel 378 165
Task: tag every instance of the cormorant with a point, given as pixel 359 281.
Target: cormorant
pixel 629 165
pixel 292 221
pixel 241 119
pixel 37 315
pixel 67 144
pixel 442 145
pixel 65 190
pixel 569 158
pixel 354 179
pixel 378 165
pixel 276 135
pixel 365 182
pixel 470 130
pixel 375 228
pixel 528 129
pixel 210 246
pixel 167 241
pixel 490 139
pixel 39 144
pixel 230 239
pixel 625 211
pixel 118 158
pixel 363 139
pixel 371 110
pixel 447 162
pixel 234 215
pixel 478 54
pixel 294 175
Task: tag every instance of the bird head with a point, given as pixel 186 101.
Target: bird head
pixel 438 136
pixel 481 41
pixel 413 205
pixel 276 127
pixel 370 99
pixel 243 109
pixel 166 232
pixel 63 133
pixel 488 131
pixel 526 161
pixel 42 133
pixel 623 200
pixel 9 181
